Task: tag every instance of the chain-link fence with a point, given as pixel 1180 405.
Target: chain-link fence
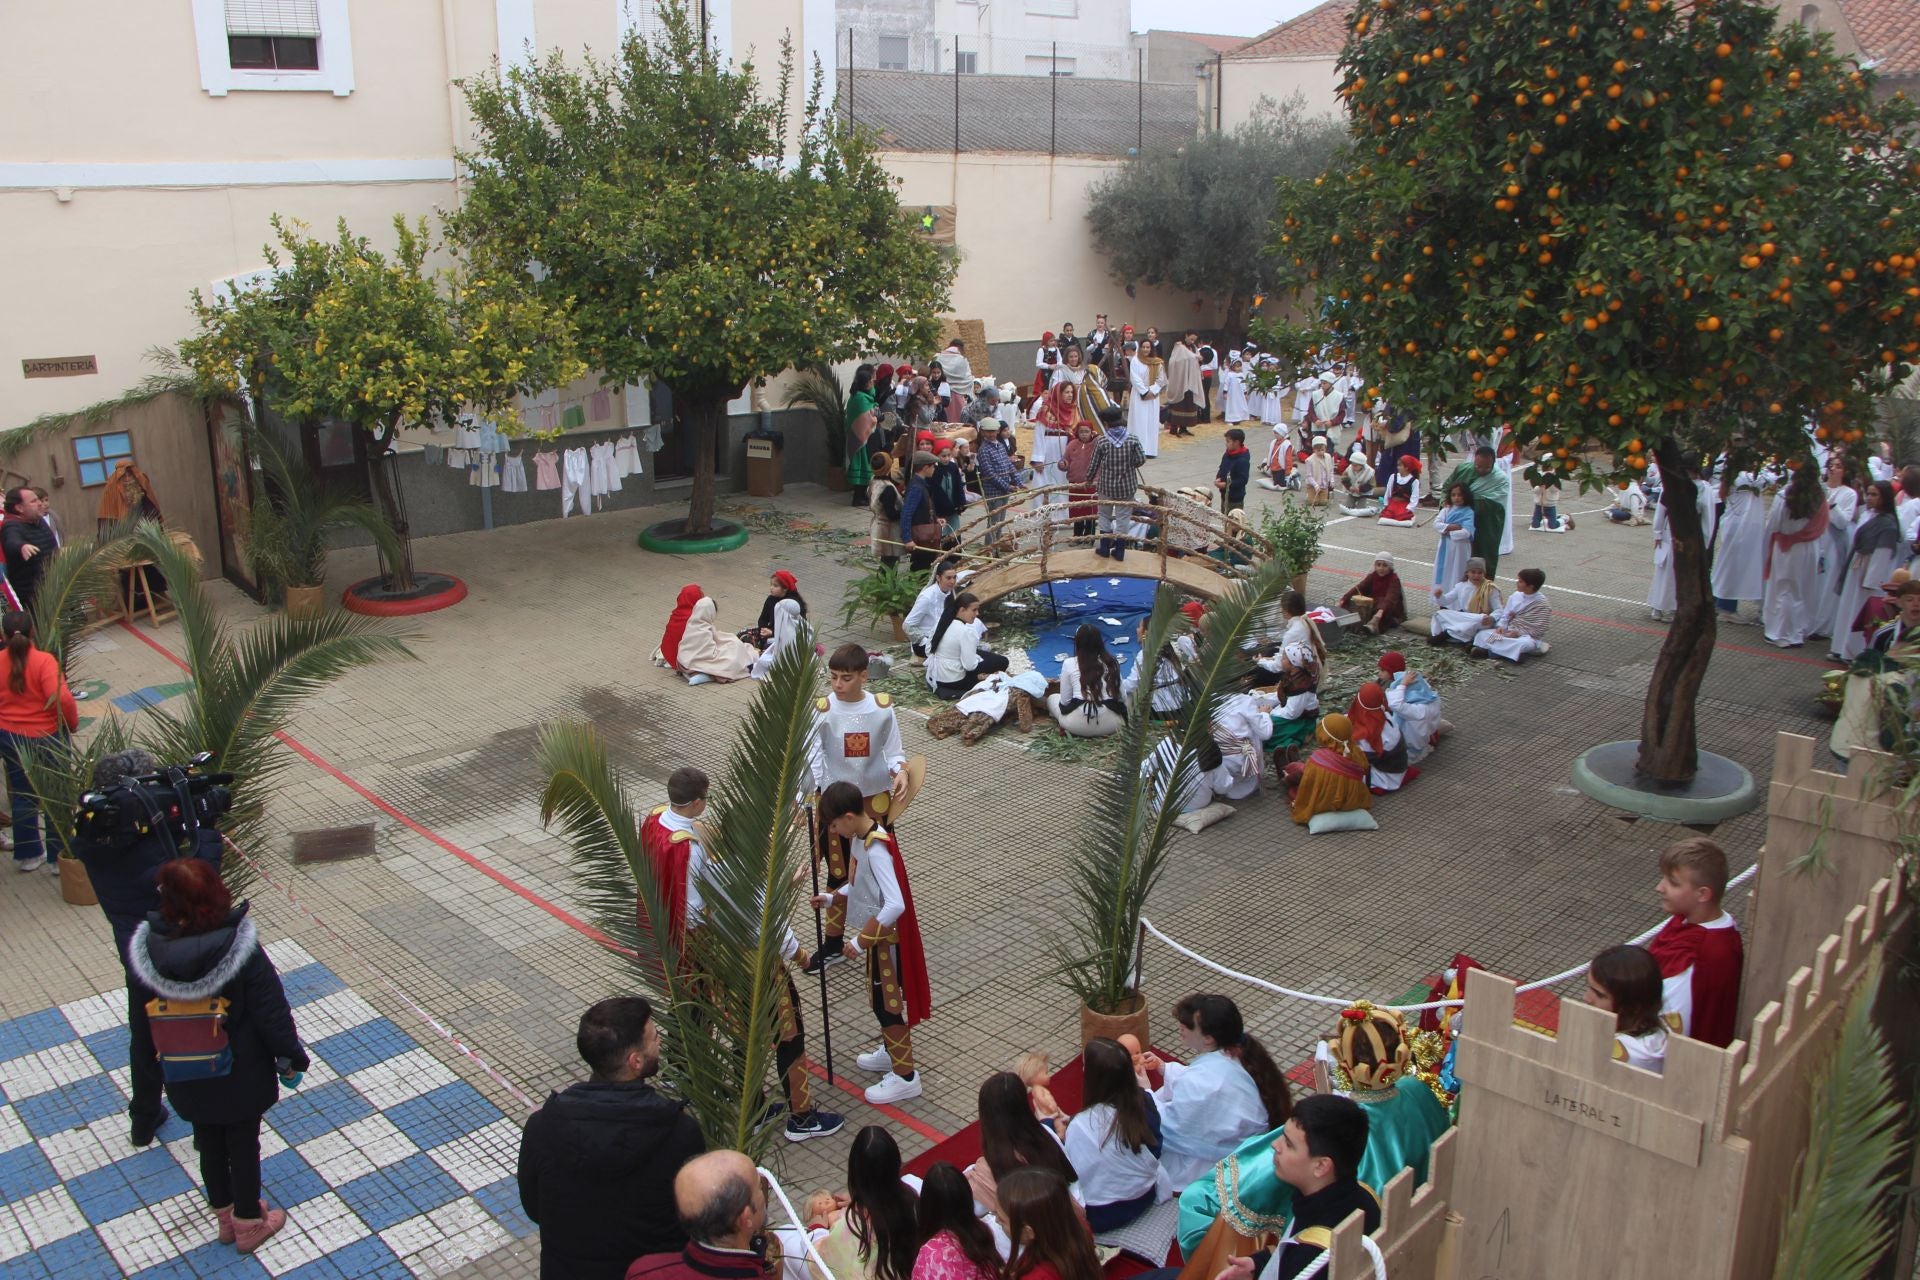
pixel 918 92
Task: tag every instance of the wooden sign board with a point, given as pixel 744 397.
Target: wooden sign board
pixel 59 366
pixel 762 448
pixel 934 221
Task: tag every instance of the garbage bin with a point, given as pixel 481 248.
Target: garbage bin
pixel 764 465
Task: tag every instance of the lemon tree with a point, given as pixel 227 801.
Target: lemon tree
pixel 702 246
pixel 341 332
pixel 1628 229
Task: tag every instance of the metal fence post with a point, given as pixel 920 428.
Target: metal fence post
pixel 1053 100
pixel 1140 101
pixel 956 97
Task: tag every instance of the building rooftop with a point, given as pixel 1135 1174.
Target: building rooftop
pixel 1319 32
pixel 914 111
pixel 1219 44
pixel 1888 32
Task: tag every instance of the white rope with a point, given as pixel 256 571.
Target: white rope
pixel 1338 1003
pixel 1325 1256
pixel 799 1223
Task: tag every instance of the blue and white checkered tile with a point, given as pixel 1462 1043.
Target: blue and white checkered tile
pixel 387 1163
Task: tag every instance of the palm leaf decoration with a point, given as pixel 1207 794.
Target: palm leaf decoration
pixel 82 572
pixel 247 687
pixel 719 1015
pixel 60 771
pixel 1121 852
pixel 1842 1219
pixel 818 388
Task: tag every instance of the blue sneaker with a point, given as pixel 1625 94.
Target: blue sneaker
pixel 815 1124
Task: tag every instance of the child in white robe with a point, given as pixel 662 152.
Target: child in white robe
pixel 789 628
pixel 1233 391
pixel 1663 594
pixel 1790 569
pixel 1739 552
pixel 1278 471
pixel 1520 627
pixel 1462 609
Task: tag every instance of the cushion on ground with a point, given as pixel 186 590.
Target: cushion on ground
pixel 1200 819
pixel 1345 820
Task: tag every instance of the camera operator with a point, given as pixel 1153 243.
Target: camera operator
pixel 123 880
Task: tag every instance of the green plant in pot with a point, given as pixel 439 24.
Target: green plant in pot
pixel 818 388
pixel 1122 848
pixel 885 595
pixel 291 523
pixel 1294 532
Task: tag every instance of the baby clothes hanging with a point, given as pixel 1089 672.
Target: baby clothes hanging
pixel 655 442
pixel 573 482
pixel 491 441
pixel 466 436
pixel 457 457
pixel 602 480
pixel 483 471
pixel 600 406
pixel 626 456
pixel 513 473
pixel 546 470
pixel 432 455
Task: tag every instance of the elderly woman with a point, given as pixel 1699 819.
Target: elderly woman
pixel 1378 598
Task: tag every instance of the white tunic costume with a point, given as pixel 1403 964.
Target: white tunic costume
pixel 1739 552
pixel 1143 407
pixel 1206 1110
pixel 857 742
pixel 1791 601
pixel 1860 581
pixel 1843 507
pixel 1525 613
pixel 1455 619
pixel 1233 393
pixel 1663 594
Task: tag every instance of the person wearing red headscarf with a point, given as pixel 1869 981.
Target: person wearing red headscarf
pixel 668 654
pixel 782 586
pixel 1376 731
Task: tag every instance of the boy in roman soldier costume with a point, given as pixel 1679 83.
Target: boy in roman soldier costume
pixel 856 739
pixel 880 902
pixel 1698 948
pixel 674 842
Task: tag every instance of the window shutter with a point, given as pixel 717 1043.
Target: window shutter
pixel 273 18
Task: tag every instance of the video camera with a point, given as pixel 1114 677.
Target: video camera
pixel 178 798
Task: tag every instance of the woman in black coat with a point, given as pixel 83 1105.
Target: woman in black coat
pixel 199 947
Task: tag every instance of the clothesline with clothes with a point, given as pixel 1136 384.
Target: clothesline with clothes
pixel 1339 1002
pixel 581 474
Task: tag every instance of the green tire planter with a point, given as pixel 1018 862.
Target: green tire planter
pixel 669 538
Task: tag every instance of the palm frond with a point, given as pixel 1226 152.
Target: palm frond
pixel 719 1014
pixel 60 771
pixel 301 513
pixel 201 628
pixel 1839 1225
pixel 82 572
pixel 1122 849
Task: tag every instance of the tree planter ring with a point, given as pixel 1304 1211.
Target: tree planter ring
pixel 669 538
pixel 431 592
pixel 1720 789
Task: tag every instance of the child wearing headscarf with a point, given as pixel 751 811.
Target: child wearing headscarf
pixel 1377 598
pixel 1334 778
pixel 1376 732
pixel 694 646
pixel 1414 703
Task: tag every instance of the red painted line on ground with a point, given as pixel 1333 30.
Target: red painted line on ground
pixel 506 882
pixel 1775 654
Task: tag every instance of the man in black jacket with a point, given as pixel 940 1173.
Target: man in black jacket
pixel 28 542
pixel 597 1163
pixel 123 882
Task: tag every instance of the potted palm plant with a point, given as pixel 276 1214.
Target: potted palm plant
pixel 818 388
pixel 1121 851
pixel 885 595
pixel 290 525
pixel 720 1014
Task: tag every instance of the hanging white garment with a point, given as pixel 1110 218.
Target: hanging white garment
pixel 513 473
pixel 601 479
pixel 626 456
pixel 573 482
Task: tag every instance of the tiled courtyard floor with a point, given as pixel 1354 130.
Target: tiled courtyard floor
pixel 472 912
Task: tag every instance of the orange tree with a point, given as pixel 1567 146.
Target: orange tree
pixel 701 246
pixel 1652 228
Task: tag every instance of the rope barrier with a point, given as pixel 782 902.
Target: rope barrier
pixel 1325 1256
pixel 1335 1002
pixel 439 1029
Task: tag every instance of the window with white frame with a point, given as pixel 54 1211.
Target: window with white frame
pixel 966 63
pixel 298 45
pixel 892 55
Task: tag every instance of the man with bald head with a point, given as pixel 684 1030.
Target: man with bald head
pixel 723 1208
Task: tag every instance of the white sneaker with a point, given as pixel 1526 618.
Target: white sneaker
pixel 893 1089
pixel 875 1060
pixel 30 864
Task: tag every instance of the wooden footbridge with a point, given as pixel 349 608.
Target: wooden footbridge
pixel 1190 545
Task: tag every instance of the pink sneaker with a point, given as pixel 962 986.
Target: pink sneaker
pixel 226 1224
pixel 250 1234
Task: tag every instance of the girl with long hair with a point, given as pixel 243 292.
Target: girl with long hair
pixel 1012 1137
pixel 878 1237
pixel 956 657
pixel 1625 981
pixel 959 1246
pixel 1050 1242
pixel 198 947
pixel 861 415
pixel 1455 525
pixel 1089 704
pixel 1228 1091
pixel 1843 510
pixel 36 707
pixel 1114 1143
pixel 1796 530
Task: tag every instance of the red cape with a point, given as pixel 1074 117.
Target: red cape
pixel 914 988
pixel 677 623
pixel 667 858
pixel 1716 957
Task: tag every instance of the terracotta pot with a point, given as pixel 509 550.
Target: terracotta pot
pixel 1300 583
pixel 1133 1021
pixel 76 886
pixel 837 480
pixel 899 630
pixel 304 604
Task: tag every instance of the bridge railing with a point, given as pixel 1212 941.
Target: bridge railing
pixel 1035 526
